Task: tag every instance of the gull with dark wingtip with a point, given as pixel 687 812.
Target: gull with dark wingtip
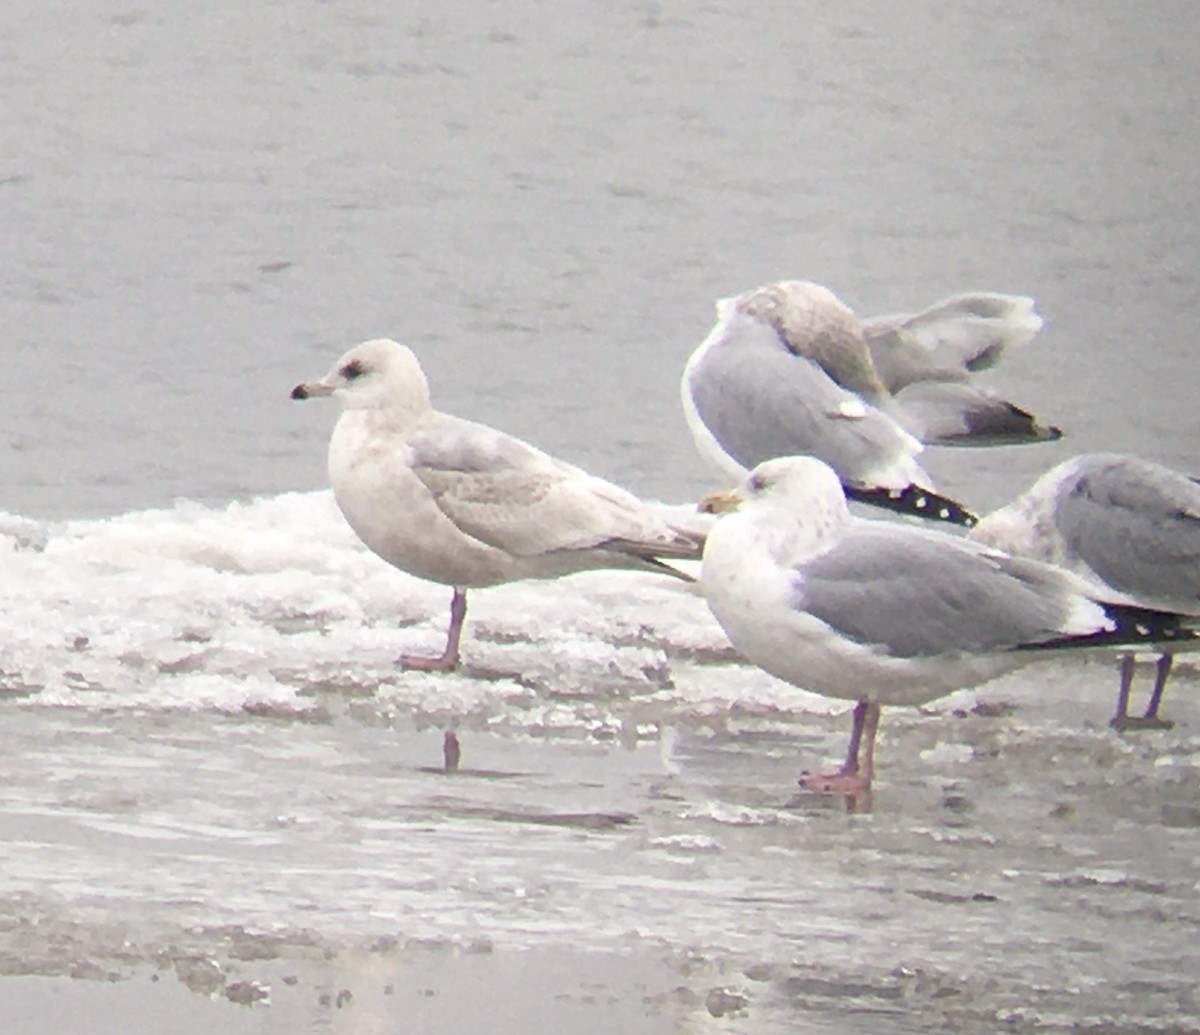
pixel 1129 526
pixel 882 613
pixel 788 370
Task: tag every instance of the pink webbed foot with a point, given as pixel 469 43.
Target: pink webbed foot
pixel 1122 720
pixel 1122 723
pixel 855 776
pixel 423 663
pixel 447 661
pixel 835 783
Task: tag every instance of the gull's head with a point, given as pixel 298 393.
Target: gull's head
pixel 802 485
pixel 378 374
pixel 793 481
pixel 812 322
pixel 786 509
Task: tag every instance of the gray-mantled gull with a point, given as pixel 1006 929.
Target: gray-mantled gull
pixel 465 505
pixel 787 370
pixel 1130 527
pixel 882 613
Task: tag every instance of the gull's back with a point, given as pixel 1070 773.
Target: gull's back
pixel 759 400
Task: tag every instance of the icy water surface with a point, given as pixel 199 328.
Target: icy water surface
pixel 214 770
pixel 215 787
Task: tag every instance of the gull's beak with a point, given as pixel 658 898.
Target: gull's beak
pixel 311 389
pixel 720 502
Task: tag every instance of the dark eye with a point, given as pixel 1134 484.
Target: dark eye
pixel 352 370
pixel 757 483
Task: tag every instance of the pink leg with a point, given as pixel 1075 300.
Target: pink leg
pixel 1150 720
pixel 1121 718
pixel 448 661
pixel 1161 674
pixel 451 751
pixel 854 777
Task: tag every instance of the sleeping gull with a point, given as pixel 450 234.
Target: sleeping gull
pixel 882 613
pixel 787 370
pixel 465 505
pixel 1129 526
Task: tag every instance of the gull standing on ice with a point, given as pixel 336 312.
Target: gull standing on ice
pixel 1130 527
pixel 462 504
pixel 881 613
pixel 787 370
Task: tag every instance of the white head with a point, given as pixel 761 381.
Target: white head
pixel 787 510
pixel 805 488
pixel 377 375
pixel 802 484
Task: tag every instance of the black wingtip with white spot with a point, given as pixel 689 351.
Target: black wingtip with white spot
pixel 917 502
pixel 1131 626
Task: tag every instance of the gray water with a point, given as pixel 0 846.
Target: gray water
pixel 208 758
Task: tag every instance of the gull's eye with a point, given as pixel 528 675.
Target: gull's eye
pixel 757 483
pixel 352 370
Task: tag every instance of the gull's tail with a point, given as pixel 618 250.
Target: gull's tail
pixel 684 544
pixel 915 502
pixel 654 564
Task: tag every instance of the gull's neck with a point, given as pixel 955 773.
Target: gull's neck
pixel 1027 526
pixel 790 535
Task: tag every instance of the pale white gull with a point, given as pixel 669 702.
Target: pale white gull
pixel 788 370
pixel 1130 527
pixel 882 613
pixel 462 504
